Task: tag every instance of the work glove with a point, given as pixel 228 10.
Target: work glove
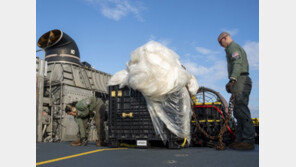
pixel 229 85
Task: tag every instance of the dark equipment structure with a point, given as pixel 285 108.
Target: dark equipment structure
pixel 256 125
pixel 62 79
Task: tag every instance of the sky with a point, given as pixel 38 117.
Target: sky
pixel 107 31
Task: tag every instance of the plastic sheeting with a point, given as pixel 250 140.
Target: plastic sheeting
pixel 157 73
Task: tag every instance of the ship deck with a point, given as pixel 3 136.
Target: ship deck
pixel 64 155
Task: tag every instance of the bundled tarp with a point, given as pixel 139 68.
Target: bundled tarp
pixel 157 73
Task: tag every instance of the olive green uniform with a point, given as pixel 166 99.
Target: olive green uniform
pixel 85 109
pixel 238 69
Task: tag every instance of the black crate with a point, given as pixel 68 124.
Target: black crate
pixel 129 119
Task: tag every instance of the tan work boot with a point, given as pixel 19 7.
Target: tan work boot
pixel 76 143
pixel 244 146
pixel 233 144
pixel 99 143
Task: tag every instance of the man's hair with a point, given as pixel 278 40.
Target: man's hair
pixel 222 35
pixel 73 104
pixel 69 106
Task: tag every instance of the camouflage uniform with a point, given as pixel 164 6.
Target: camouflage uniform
pixel 85 109
pixel 238 69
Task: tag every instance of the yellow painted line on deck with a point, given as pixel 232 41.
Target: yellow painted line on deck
pixel 77 155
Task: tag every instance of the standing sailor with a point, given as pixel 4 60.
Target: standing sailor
pixel 240 85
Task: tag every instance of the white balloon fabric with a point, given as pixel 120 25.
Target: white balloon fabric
pixel 120 78
pixel 157 73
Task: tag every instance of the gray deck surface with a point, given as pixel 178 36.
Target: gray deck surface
pixel 134 157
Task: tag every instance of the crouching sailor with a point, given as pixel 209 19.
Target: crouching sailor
pixel 84 110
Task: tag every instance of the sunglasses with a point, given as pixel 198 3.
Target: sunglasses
pixel 221 40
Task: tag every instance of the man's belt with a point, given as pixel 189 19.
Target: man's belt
pixel 244 74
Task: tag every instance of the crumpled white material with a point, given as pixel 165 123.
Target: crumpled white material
pixel 120 78
pixel 157 73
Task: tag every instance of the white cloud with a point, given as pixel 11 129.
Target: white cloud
pixel 116 9
pixel 205 51
pixel 232 32
pixel 252 50
pixel 208 68
pixel 254 110
pixel 208 76
pixel 164 41
pixel 207 54
pixel 199 71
